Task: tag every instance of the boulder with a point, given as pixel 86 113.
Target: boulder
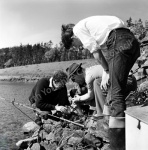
pixel 30 127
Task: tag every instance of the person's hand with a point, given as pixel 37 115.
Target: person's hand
pixel 76 99
pixel 105 80
pixel 61 108
pixel 70 100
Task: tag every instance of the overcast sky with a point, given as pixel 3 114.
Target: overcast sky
pixel 33 21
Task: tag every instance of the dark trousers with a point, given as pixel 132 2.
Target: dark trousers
pixel 122 52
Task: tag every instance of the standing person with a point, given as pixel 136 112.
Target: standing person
pixel 50 93
pixel 116 49
pixel 88 79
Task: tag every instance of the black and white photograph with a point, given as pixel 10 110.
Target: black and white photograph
pixel 73 75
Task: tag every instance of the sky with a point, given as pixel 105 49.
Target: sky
pixel 35 21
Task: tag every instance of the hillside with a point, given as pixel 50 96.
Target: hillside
pixel 36 71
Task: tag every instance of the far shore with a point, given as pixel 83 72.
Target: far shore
pixel 32 73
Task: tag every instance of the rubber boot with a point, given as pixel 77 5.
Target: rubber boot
pixel 117 133
pixel 117 138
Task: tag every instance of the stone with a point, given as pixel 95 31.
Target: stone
pixel 30 127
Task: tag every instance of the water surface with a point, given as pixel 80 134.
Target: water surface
pixel 11 119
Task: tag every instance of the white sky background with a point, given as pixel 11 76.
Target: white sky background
pixel 36 21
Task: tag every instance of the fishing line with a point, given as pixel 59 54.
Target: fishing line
pixel 22 111
pixel 13 103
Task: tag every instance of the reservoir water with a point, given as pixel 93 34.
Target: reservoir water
pixel 11 119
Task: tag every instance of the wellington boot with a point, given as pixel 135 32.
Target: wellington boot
pixel 117 138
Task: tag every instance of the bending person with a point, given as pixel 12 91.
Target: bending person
pixel 50 93
pixel 88 80
pixel 115 47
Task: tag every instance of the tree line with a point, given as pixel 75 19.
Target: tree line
pixel 46 52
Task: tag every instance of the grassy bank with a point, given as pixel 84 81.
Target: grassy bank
pixel 37 71
pixel 31 73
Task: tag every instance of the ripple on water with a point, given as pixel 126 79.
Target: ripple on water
pixel 11 119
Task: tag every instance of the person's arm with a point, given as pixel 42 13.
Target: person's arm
pixel 43 105
pixel 32 98
pixel 91 44
pixel 40 94
pixel 63 100
pixel 83 98
pixel 88 96
pixel 105 77
pixel 100 58
pixel 63 97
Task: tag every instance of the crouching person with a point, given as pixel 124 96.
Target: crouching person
pixel 88 80
pixel 50 93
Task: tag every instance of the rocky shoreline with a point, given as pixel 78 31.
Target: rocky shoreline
pixel 20 78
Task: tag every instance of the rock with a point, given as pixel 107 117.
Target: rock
pixel 58 136
pixel 90 123
pixel 50 137
pixel 143 86
pixel 30 127
pixel 74 140
pixel 36 146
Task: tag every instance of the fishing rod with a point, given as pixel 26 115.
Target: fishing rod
pixel 43 113
pixel 12 102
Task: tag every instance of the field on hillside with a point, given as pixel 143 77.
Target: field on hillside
pixel 40 70
pixel 37 71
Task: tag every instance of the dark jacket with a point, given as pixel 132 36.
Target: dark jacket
pixel 46 98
